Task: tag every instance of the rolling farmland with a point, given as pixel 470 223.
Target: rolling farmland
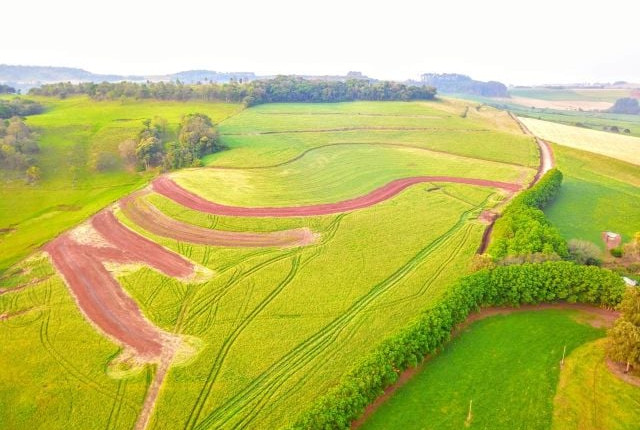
pixel 245 316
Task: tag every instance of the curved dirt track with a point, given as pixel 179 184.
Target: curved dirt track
pixel 98 294
pixel 151 219
pixel 167 187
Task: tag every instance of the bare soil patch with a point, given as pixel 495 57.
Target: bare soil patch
pixel 98 294
pixel 167 187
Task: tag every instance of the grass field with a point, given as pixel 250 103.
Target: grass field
pixel 71 132
pixel 625 148
pixel 508 365
pixel 275 327
pixel 598 194
pixel 589 397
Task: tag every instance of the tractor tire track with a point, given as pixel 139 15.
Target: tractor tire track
pixel 264 386
pixel 229 341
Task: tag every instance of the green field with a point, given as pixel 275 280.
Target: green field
pixel 589 397
pixel 509 366
pixel 277 327
pixel 598 194
pixel 596 95
pixel 71 132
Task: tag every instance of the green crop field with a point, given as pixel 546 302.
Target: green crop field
pixel 71 132
pixel 273 328
pixel 509 366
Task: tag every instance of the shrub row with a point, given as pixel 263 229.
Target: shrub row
pixel 503 285
pixel 523 228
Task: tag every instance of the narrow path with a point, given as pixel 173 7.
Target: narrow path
pixel 167 187
pixel 547 162
pixel 603 318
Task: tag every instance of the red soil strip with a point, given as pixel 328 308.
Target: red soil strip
pixel 167 187
pixel 151 219
pixel 99 295
pixel 604 318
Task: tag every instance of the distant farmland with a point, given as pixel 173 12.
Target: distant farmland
pixel 625 148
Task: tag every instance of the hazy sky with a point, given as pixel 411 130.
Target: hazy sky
pixel 518 42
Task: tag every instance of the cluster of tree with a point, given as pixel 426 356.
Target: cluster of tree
pixel 624 337
pixel 196 138
pixel 6 89
pixel 18 147
pixel 500 286
pixel 453 83
pixel 523 228
pixel 626 105
pixel 19 107
pixel 279 89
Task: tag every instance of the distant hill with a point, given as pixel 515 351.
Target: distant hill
pixel 453 83
pixel 26 77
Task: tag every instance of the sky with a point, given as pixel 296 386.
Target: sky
pixel 517 42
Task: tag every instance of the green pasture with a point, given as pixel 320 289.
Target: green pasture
pixel 598 194
pixel 590 397
pixel 507 365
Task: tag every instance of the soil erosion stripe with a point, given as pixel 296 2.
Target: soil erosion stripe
pixel 167 187
pixel 151 219
pixel 97 292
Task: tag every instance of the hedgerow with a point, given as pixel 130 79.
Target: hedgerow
pixel 503 285
pixel 523 228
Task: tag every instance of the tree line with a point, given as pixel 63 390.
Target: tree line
pixel 279 89
pixel 19 107
pixel 18 147
pixel 153 147
pixel 523 231
pixel 514 285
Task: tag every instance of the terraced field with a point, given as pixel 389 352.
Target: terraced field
pixel 247 314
